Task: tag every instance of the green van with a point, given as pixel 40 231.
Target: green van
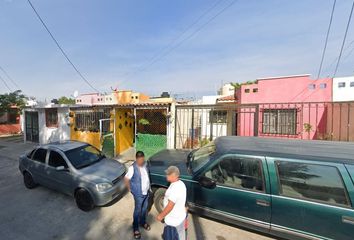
pixel 295 189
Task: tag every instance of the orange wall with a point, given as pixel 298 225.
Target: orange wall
pixel 6 129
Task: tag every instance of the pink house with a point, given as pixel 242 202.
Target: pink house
pixel 290 106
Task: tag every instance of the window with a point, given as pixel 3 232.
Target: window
pixel 88 120
pixel 11 116
pixel 40 155
pixel 279 121
pixel 351 84
pixel 341 84
pixel 255 90
pixel 84 156
pixel 30 154
pixel 238 172
pixel 56 160
pixel 323 85
pixel 51 117
pixel 247 90
pixel 218 116
pixel 312 86
pixel 202 156
pixel 313 182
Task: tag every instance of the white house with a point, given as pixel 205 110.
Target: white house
pixel 48 123
pixel 343 89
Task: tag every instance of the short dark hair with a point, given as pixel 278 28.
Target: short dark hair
pixel 139 154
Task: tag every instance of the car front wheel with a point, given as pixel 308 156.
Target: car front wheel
pixel 159 196
pixel 28 180
pixel 84 200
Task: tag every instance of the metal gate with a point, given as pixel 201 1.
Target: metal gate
pixel 107 136
pixel 150 130
pixel 32 132
pixel 196 125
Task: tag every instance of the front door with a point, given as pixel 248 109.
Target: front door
pixel 241 194
pixel 32 132
pixel 61 180
pixel 37 166
pixel 310 199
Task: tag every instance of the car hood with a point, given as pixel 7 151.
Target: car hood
pixel 159 162
pixel 106 169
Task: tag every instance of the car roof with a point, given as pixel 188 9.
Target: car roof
pixel 332 151
pixel 65 145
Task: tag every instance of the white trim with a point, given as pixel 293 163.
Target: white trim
pixel 289 76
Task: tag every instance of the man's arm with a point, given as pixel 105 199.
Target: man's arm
pixel 166 211
pixel 127 183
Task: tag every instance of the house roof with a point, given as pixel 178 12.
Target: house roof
pixel 289 76
pixel 230 98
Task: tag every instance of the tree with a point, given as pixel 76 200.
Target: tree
pixel 14 101
pixel 66 100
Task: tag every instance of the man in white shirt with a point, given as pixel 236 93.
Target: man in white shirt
pixel 138 183
pixel 174 212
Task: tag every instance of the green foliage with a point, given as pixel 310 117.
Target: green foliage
pixel 66 100
pixel 10 100
pixel 238 85
pixel 307 127
pixel 144 121
pixel 204 142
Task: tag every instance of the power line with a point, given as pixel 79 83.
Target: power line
pixel 60 48
pixel 180 35
pixel 7 86
pixel 326 41
pixel 10 78
pixel 190 35
pixel 344 50
pixel 343 43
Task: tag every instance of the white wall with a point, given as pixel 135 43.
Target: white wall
pixel 54 134
pixel 345 93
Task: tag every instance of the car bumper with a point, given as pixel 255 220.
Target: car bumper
pixel 103 198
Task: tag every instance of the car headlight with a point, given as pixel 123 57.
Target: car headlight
pixel 101 187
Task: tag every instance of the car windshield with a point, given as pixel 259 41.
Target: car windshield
pixel 84 156
pixel 202 156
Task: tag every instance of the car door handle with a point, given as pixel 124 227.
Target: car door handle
pixel 349 220
pixel 263 203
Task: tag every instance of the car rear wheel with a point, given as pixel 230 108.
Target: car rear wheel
pixel 28 180
pixel 84 200
pixel 159 196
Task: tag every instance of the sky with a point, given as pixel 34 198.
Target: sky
pixel 115 43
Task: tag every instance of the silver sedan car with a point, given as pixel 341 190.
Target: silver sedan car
pixel 74 168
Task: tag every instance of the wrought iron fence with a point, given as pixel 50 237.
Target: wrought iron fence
pixel 196 125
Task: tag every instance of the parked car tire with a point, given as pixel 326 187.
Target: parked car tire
pixel 158 199
pixel 84 200
pixel 28 180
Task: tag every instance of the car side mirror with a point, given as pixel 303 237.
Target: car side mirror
pixel 61 168
pixel 207 182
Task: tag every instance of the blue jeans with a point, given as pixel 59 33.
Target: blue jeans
pixel 140 210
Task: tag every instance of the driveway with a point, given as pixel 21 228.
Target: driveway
pixel 44 214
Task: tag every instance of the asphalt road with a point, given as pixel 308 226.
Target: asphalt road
pixel 41 213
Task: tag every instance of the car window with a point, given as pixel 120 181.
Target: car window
pixel 312 182
pixel 40 155
pixel 202 156
pixel 238 172
pixel 84 156
pixel 30 154
pixel 56 160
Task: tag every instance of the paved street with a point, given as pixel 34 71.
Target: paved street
pixel 44 214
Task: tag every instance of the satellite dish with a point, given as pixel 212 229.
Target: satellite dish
pixel 76 94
